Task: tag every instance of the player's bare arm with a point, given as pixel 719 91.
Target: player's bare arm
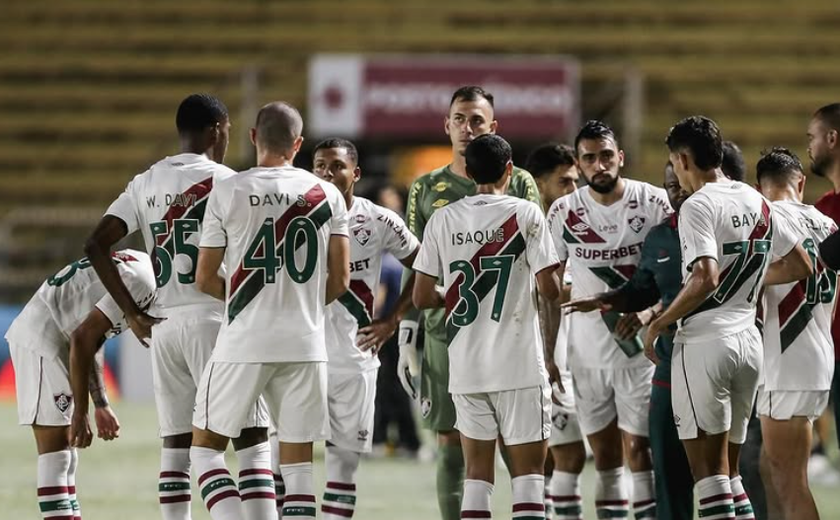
pixel 207 277
pixel 377 333
pixel 704 280
pixel 338 264
pixel 425 294
pixel 792 267
pixel 84 343
pixel 550 316
pixel 108 232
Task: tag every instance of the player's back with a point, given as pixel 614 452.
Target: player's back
pixel 490 248
pixel 733 224
pixel 797 333
pixel 167 204
pixel 275 224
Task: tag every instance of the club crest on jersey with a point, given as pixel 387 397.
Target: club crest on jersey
pixel 440 187
pixel 636 223
pixel 63 401
pixel 362 235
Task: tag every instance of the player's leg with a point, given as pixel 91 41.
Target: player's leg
pixel 672 474
pixel 595 401
pixel 54 459
pixel 438 413
pixel 632 397
pixel 701 403
pixel 279 485
pixel 297 396
pixel 479 431
pixel 569 456
pixel 787 430
pixel 225 398
pixel 524 417
pixel 351 405
pixel 743 389
pixel 256 475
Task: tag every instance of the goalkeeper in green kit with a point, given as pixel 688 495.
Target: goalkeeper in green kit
pixel 470 115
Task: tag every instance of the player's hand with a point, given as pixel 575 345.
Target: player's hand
pixel 80 435
pixel 628 325
pixel 376 334
pixel 408 366
pixel 141 325
pixel 592 303
pixel 107 424
pixel 653 331
pixel 554 374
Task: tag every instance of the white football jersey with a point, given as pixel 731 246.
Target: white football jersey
pixel 167 203
pixel 488 249
pixel 374 230
pixel 603 246
pixel 275 224
pixel 733 224
pixel 73 292
pixel 798 349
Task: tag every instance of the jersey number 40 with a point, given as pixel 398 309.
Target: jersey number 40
pixel 265 254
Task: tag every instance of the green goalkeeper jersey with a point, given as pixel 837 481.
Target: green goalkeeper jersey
pixel 440 187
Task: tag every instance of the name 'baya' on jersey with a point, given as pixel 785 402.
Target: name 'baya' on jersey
pixel 167 204
pixel 488 249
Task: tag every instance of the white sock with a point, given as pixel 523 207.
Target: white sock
pixel 743 506
pixel 300 500
pixel 218 489
pixel 549 500
pixel 174 492
pixel 611 499
pixel 53 496
pixel 715 496
pixel 256 482
pixel 528 499
pixel 565 493
pixel 71 484
pixel 340 493
pixel 644 495
pixel 476 500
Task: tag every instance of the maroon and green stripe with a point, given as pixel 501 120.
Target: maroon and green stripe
pixel 358 300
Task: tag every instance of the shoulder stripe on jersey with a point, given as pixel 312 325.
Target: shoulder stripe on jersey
pixel 576 231
pixel 483 284
pixel 197 192
pixel 358 300
pixel 244 287
pixel 509 230
pixel 614 276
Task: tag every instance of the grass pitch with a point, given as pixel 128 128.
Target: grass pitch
pixel 119 479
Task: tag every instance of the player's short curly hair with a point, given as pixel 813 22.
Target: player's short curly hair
pixel 700 136
pixel 778 165
pixel 545 158
pixel 594 129
pixel 338 142
pixel 199 111
pixel 487 156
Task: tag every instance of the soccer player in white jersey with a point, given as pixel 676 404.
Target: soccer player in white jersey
pixel 554 168
pixel 493 252
pixel 598 231
pixel 798 349
pixel 281 234
pixel 728 233
pixel 166 204
pixel 66 321
pixel 353 335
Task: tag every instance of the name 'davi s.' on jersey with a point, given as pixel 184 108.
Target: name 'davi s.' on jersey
pixel 275 224
pixel 602 245
pixel 798 349
pixel 374 231
pixel 167 203
pixel 733 224
pixel 488 250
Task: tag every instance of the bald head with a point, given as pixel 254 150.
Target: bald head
pixel 278 126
